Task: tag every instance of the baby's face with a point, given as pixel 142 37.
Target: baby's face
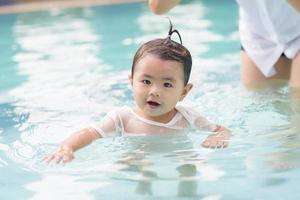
pixel 157 87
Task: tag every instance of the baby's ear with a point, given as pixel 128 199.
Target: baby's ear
pixel 130 79
pixel 186 90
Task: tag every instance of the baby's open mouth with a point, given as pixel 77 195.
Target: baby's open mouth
pixel 153 104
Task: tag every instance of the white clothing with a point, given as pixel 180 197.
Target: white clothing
pixel 125 121
pixel 269 28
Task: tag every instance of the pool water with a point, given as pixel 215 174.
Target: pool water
pixel 62 70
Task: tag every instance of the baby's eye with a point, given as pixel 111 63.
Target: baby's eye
pixel 168 85
pixel 147 82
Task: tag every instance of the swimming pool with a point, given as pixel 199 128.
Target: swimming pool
pixel 64 69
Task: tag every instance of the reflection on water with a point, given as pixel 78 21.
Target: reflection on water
pixel 70 67
pixel 63 186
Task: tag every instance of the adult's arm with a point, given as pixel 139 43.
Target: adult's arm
pixel 162 6
pixel 295 4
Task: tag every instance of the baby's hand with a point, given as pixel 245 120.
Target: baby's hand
pixel 218 140
pixel 62 154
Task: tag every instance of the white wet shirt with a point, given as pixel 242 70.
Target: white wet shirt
pixel 269 28
pixel 125 121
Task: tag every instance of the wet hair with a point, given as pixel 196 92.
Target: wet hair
pixel 166 49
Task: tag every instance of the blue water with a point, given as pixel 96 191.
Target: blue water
pixel 61 70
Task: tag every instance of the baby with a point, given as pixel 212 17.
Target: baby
pixel 159 79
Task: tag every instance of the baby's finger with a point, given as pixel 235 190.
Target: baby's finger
pixel 48 158
pixel 220 144
pixel 67 159
pixel 58 158
pixel 206 144
pixel 214 144
pixel 223 144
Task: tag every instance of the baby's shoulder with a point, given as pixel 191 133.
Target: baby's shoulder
pixel 189 113
pixel 122 113
pixel 186 110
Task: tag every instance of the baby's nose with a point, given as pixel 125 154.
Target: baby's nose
pixel 154 91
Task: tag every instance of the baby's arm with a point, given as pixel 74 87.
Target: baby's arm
pixel 162 6
pixel 221 136
pixel 65 152
pixel 219 139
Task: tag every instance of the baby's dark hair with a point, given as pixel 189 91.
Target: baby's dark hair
pixel 166 49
